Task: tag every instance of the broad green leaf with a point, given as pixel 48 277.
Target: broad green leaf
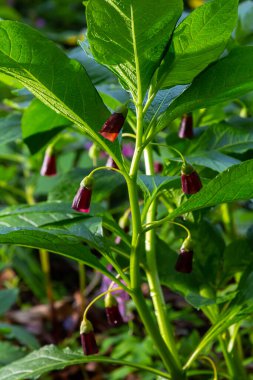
pixel 50 358
pixel 225 138
pixel 150 183
pixel 212 159
pixel 238 255
pixel 56 241
pixel 235 183
pixel 224 80
pixel 39 124
pixel 105 183
pixel 7 298
pixel 59 82
pixel 9 353
pixel 199 40
pixel 97 73
pixel 130 37
pixel 10 128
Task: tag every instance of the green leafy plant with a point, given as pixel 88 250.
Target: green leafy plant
pixel 165 66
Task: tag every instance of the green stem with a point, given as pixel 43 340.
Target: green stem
pixel 152 271
pixel 137 295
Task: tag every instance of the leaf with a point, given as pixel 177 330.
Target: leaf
pixel 235 183
pixel 10 353
pixel 39 124
pixel 150 183
pixel 20 334
pixel 7 298
pixel 226 138
pixel 10 128
pixel 213 160
pixel 199 40
pixel 226 79
pixel 118 32
pixel 50 358
pixel 239 309
pixel 105 183
pixel 56 241
pixel 59 82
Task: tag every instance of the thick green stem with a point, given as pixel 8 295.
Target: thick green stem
pixel 152 271
pixel 143 310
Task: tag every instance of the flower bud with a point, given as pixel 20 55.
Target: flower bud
pixel 88 338
pixel 186 127
pixel 82 199
pixel 113 315
pixel 190 180
pixel 113 125
pixel 184 261
pixel 49 164
pixel 158 167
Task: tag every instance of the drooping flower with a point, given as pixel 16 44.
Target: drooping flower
pixel 48 167
pixel 113 124
pixel 121 296
pixel 113 315
pixel 186 127
pixel 88 338
pixel 185 257
pixel 190 180
pixel 82 199
pixel 158 167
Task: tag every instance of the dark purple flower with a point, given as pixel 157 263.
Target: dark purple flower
pixel 158 167
pixel 82 199
pixel 186 127
pixel 113 125
pixel 190 180
pixel 88 338
pixel 113 315
pixel 49 165
pixel 121 296
pixel 184 261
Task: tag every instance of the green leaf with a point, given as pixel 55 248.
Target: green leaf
pixel 50 358
pixel 226 138
pixel 104 184
pixel 10 353
pixel 20 334
pixel 59 82
pixel 10 128
pixel 213 160
pixel 235 183
pixel 39 124
pixel 54 240
pixel 7 298
pixel 150 183
pixel 240 308
pixel 130 37
pixel 224 80
pixel 199 40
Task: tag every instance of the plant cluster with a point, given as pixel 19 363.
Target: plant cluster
pixel 147 137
